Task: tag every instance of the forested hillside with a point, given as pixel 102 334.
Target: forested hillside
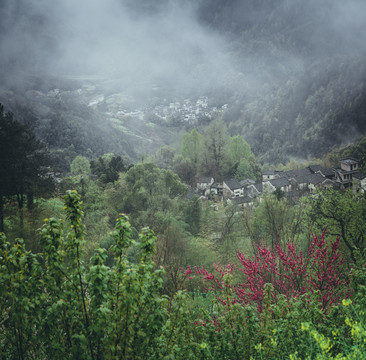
pixel 182 179
pixel 292 74
pixel 310 96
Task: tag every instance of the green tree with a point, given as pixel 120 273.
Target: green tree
pixel 244 170
pixel 80 166
pixel 66 310
pixel 114 195
pixel 243 164
pixel 151 192
pixel 164 157
pixel 273 220
pixel 215 161
pixel 107 167
pixel 230 232
pixel 192 147
pixel 23 165
pixel 193 214
pixel 222 229
pixel 184 169
pixel 171 253
pixel 238 149
pixel 344 215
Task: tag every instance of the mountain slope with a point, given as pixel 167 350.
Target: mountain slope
pixel 292 72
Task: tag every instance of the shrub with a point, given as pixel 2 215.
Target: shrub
pixel 56 307
pixel 291 274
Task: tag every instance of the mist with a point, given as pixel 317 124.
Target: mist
pixel 112 39
pixel 140 44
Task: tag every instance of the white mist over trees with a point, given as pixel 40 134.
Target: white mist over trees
pixel 182 42
pixel 116 39
pixel 292 72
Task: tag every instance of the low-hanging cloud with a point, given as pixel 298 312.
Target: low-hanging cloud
pixel 109 38
pixel 165 40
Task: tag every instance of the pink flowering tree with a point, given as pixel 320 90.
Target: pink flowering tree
pixel 290 272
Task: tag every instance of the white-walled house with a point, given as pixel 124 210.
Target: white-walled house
pixel 269 175
pixel 280 183
pixel 232 188
pixel 203 184
pixel 346 174
pixel 294 183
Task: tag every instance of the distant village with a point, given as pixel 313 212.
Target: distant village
pixel 188 111
pixel 294 184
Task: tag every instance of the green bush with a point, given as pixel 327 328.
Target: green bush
pixel 55 306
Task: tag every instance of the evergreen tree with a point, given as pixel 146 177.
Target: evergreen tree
pixel 22 160
pixel 108 167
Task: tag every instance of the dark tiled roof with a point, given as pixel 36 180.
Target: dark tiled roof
pixel 297 173
pixel 316 179
pixel 279 182
pixel 350 161
pixel 191 192
pixel 328 172
pixel 316 168
pixel 204 179
pixel 233 184
pixel 328 182
pixel 302 179
pixel 280 174
pixel 269 172
pixel 293 193
pixel 310 179
pixel 259 187
pixel 247 182
pixel 242 200
pixel 359 175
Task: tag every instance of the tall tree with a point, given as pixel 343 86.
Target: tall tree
pixel 108 167
pixel 193 215
pixel 80 166
pixel 215 157
pixel 244 170
pixel 151 193
pixel 192 147
pixel 238 149
pixel 22 160
pixel 164 157
pixel 273 221
pixel 184 169
pixel 343 214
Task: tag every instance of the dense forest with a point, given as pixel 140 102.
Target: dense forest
pixel 111 116
pixel 179 276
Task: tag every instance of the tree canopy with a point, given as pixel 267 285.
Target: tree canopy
pixel 23 160
pixel 343 214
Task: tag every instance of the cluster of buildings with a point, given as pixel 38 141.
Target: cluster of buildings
pixel 294 183
pixel 188 111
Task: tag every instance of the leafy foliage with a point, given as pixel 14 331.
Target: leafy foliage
pixel 80 166
pixel 108 167
pixel 343 213
pixel 66 310
pixel 273 220
pixel 23 164
pixel 290 273
pixel 56 305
